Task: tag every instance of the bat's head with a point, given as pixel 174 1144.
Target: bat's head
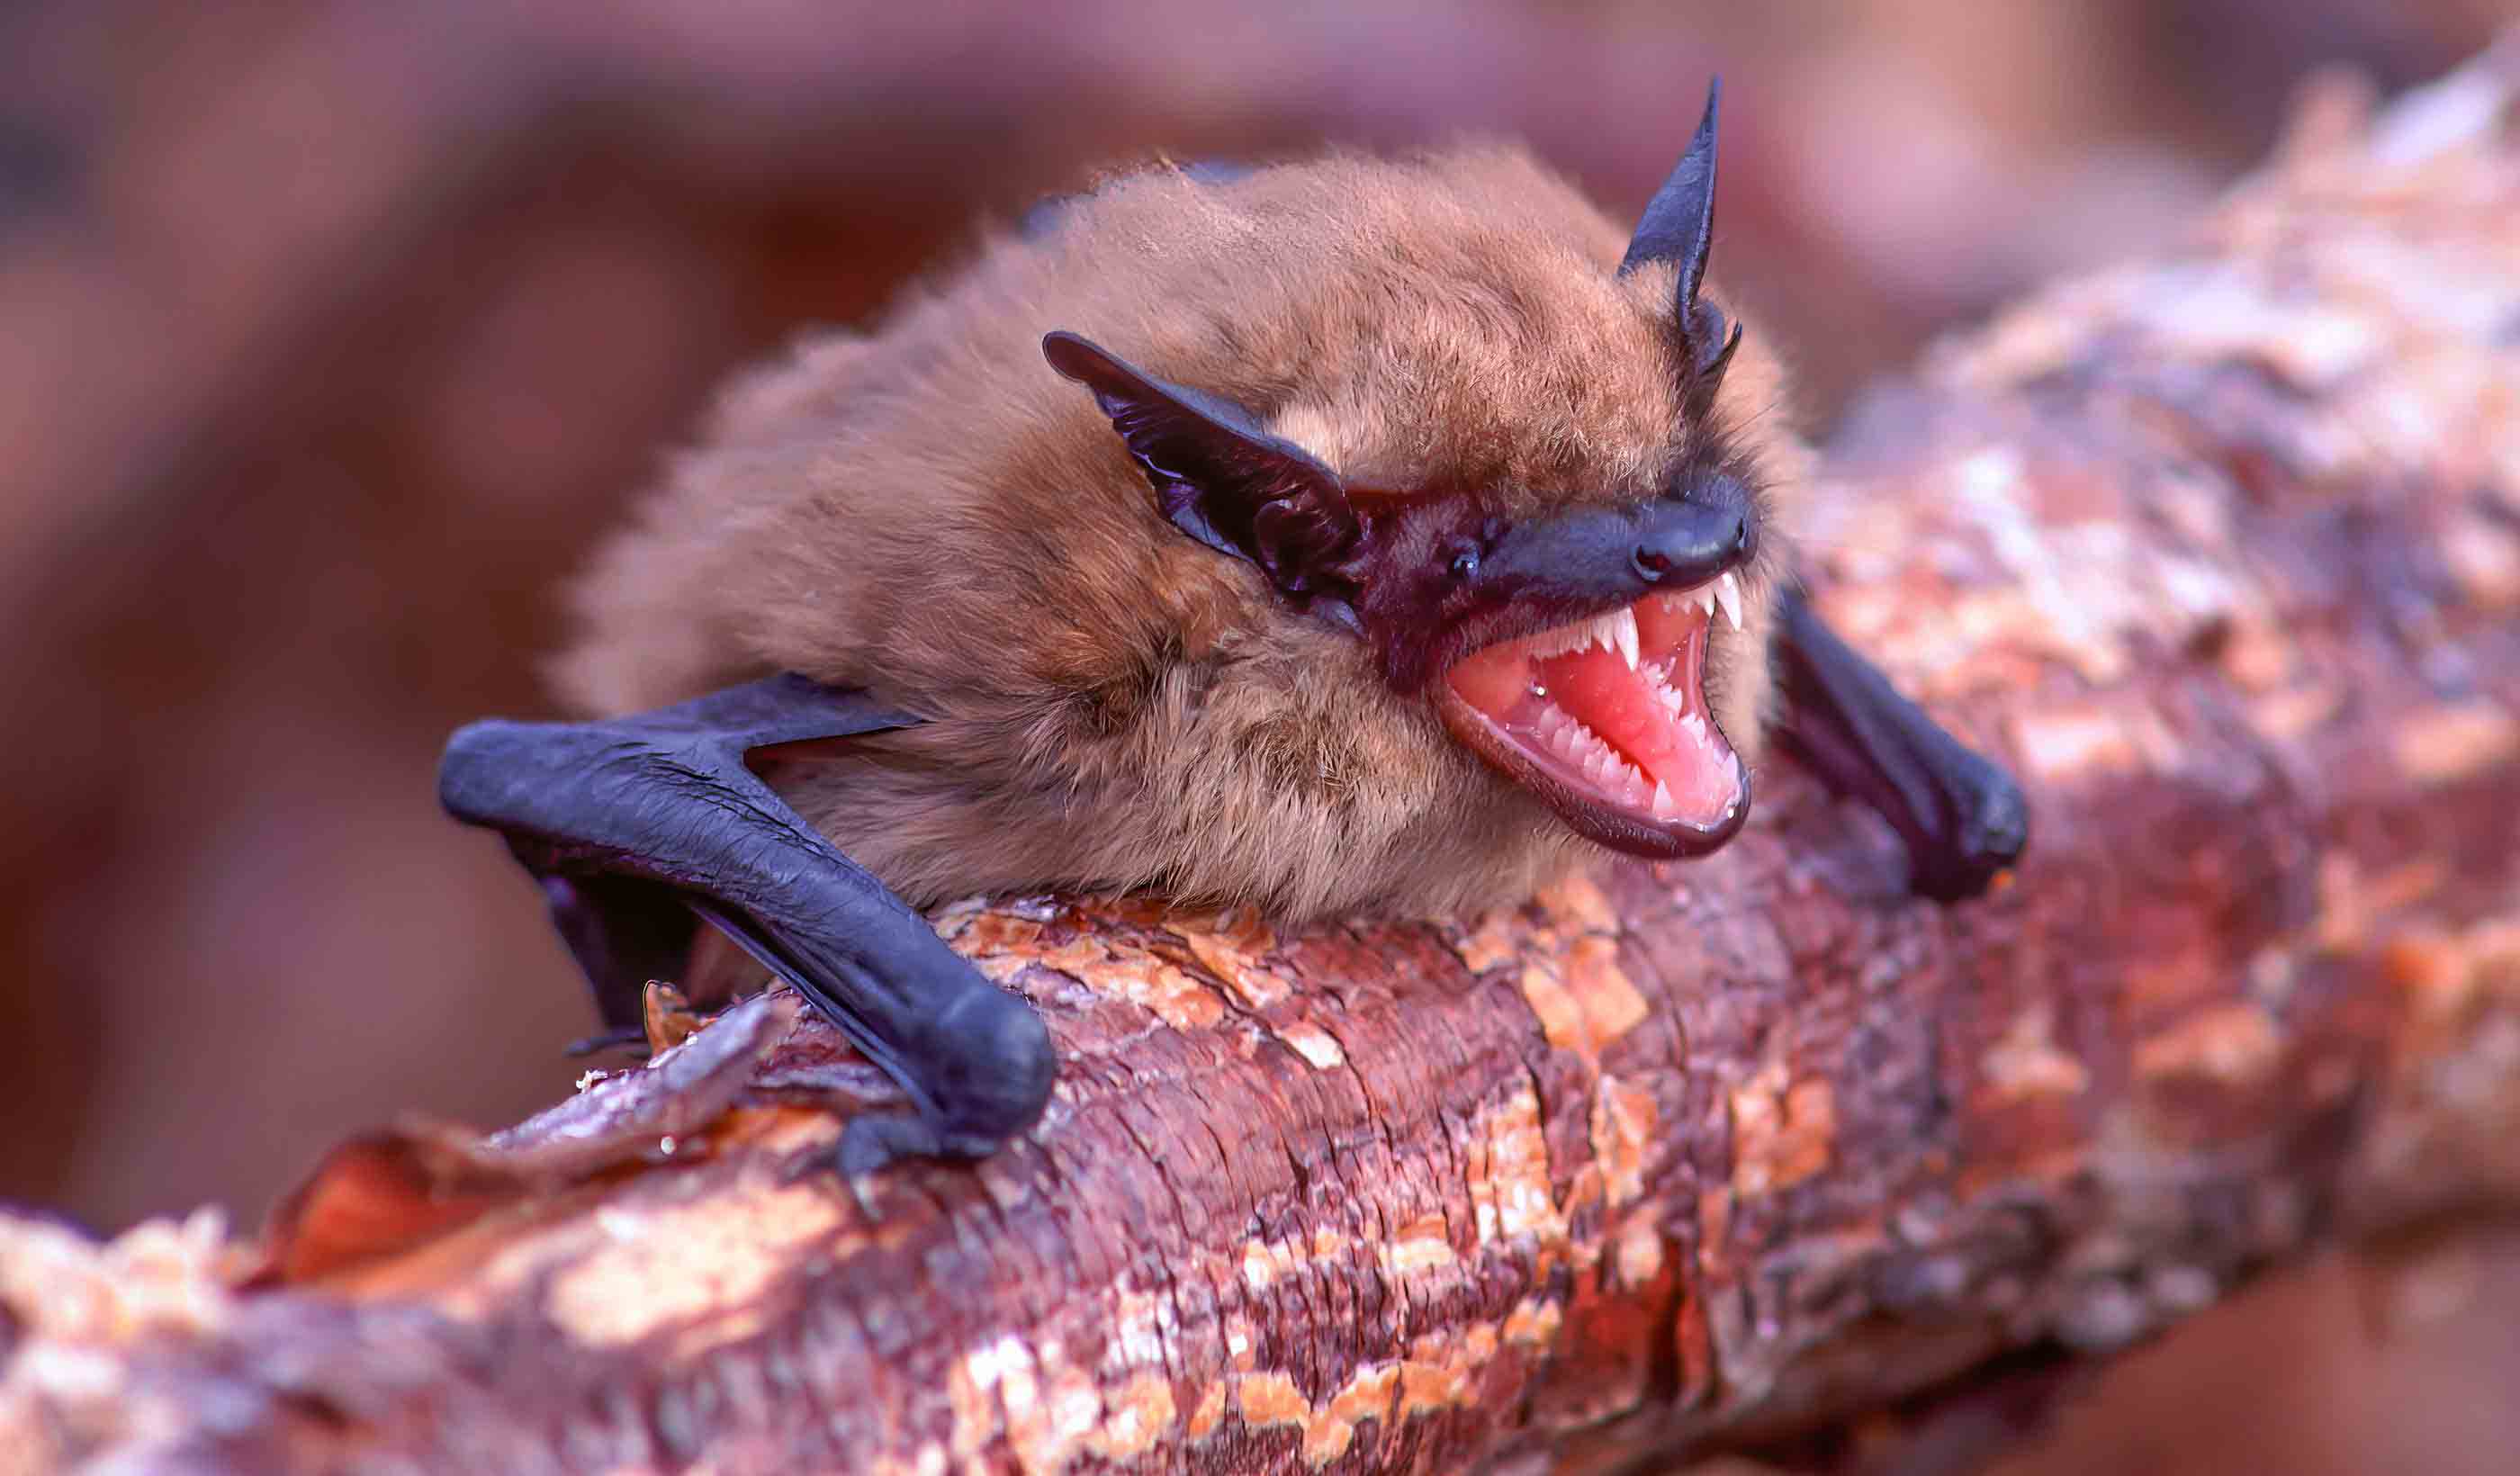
pixel 1567 636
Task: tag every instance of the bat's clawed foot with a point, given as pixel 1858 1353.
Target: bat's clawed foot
pixel 872 1141
pixel 988 1081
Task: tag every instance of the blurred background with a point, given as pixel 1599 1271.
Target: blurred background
pixel 331 333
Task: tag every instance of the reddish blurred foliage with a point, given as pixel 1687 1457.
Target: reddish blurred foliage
pixel 335 332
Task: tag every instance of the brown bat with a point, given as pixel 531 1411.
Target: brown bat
pixel 1346 536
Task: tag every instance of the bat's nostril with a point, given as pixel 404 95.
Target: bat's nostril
pixel 1688 543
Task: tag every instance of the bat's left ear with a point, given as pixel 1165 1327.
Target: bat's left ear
pixel 1219 478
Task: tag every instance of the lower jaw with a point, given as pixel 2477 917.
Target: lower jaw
pixel 1657 843
pixel 1632 836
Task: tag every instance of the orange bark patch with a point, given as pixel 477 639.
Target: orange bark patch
pixel 2234 1045
pixel 2282 716
pixel 1533 1323
pixel 1314 1043
pixel 2065 746
pixel 1576 901
pixel 1509 1174
pixel 161 1277
pixel 1048 1411
pixel 1270 1398
pixel 1426 1388
pixel 2026 1062
pixel 1051 1417
pixel 2451 742
pixel 2485 558
pixel 2351 905
pixel 1624 1118
pixel 2442 973
pixel 1138 1414
pixel 706 1264
pixel 1170 993
pixel 1366 1395
pixel 1209 1415
pixel 1263 1262
pixel 1498 938
pixel 1422 1245
pixel 1234 949
pixel 1440 1371
pixel 1781 1137
pixel 2256 657
pixel 1637 1251
pixel 1584 1000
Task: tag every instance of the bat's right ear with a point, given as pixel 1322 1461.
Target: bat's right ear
pixel 1679 227
pixel 1219 478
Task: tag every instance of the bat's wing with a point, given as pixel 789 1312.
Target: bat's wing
pixel 636 827
pixel 1960 814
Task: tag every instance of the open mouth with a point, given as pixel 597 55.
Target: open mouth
pixel 1606 720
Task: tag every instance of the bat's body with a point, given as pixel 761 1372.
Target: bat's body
pixel 1418 529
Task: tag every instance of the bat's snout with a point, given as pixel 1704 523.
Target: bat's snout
pixel 1685 543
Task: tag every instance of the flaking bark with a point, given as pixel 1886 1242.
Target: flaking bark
pixel 2221 551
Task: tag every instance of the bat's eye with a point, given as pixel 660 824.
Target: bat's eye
pixel 1467 553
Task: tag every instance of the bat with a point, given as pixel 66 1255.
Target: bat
pixel 1340 537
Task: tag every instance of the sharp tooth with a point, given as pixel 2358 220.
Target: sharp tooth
pixel 1703 597
pixel 1728 591
pixel 1623 633
pixel 1662 799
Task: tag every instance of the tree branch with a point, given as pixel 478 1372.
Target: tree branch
pixel 2221 551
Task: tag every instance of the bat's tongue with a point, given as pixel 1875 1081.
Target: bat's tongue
pixel 1615 710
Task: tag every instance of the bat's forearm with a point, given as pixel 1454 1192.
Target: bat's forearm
pixel 636 825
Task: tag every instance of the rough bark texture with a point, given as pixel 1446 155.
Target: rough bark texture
pixel 2221 551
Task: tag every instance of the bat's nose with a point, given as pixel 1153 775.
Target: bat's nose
pixel 1684 542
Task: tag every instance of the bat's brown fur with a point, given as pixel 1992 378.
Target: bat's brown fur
pixel 932 513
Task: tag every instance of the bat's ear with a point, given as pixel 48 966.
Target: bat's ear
pixel 1679 227
pixel 1221 478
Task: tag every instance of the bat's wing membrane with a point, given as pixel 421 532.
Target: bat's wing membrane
pixel 636 827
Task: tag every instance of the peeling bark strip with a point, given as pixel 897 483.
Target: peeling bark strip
pixel 2222 551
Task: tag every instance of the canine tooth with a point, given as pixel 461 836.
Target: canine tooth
pixel 1623 634
pixel 1728 591
pixel 1661 798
